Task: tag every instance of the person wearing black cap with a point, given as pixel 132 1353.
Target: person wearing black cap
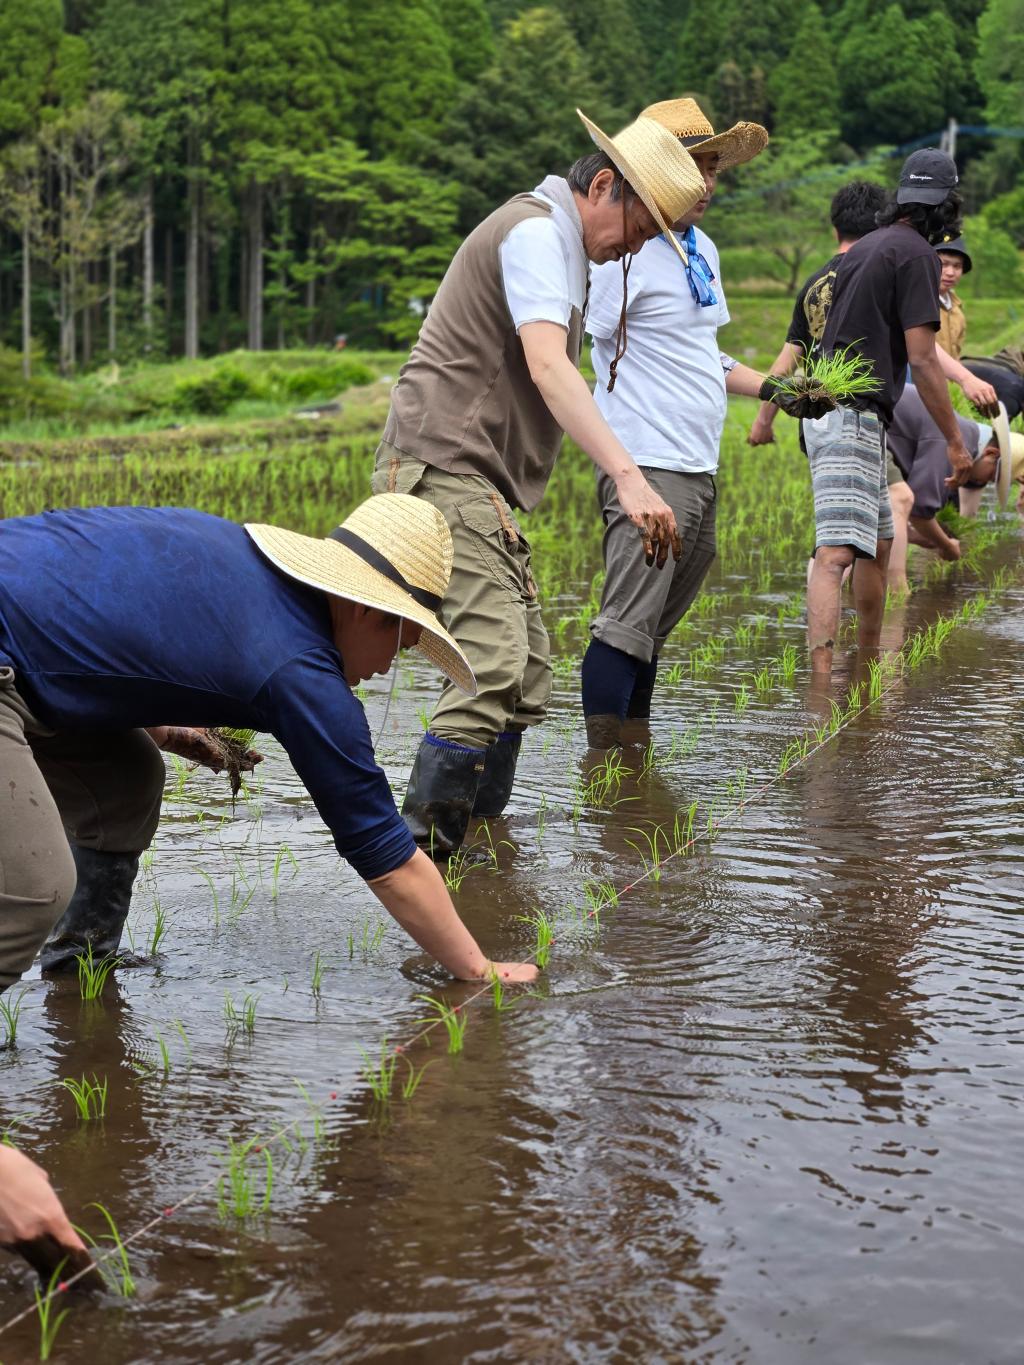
pixel 885 309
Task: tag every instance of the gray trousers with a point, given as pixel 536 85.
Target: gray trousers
pixel 99 789
pixel 640 603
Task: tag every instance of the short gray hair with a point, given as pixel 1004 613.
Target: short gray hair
pixel 582 173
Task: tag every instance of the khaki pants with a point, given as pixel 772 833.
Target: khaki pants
pixel 100 789
pixel 491 606
pixel 641 604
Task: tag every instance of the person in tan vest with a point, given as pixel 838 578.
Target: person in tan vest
pixel 476 423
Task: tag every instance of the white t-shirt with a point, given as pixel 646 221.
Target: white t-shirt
pixel 544 268
pixel 668 404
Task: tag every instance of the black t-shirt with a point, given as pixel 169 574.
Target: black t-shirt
pixel 886 283
pixel 811 308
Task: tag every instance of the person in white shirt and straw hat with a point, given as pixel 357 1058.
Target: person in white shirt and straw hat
pixel 667 405
pixel 476 423
pixel 251 627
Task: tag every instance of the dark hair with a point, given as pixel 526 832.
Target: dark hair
pixel 854 207
pixel 932 221
pixel 581 174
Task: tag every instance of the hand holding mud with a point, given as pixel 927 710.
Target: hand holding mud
pixel 33 1223
pixel 652 517
pixel 209 748
pixel 798 405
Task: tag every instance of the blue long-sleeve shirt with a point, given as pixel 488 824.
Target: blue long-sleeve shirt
pixel 116 617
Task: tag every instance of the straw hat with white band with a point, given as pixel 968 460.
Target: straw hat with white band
pixel 657 167
pixel 685 120
pixel 1011 456
pixel 393 553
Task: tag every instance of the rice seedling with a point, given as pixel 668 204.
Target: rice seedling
pixel 743 633
pixel 837 378
pixel 683 826
pixel 764 678
pixel 92 974
pixel 316 1114
pixel 786 664
pixel 371 937
pixel 90 1097
pixel 236 1190
pixel 380 1075
pixel 121 1280
pixel 216 900
pixel 240 1020
pixel 50 1321
pixel 453 1018
pixel 741 698
pixel 542 815
pixel 10 1013
pixel 284 852
pixel 674 675
pixel 318 973
pixel 423 714
pixel 684 744
pixel 498 1000
pixel 412 1080
pixel 545 932
pixel 649 850
pixel 159 931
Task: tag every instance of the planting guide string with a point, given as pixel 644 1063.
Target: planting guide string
pixel 714 825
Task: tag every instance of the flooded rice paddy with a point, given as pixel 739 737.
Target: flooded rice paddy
pixel 766 1108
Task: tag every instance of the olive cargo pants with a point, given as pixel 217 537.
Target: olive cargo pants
pixel 491 606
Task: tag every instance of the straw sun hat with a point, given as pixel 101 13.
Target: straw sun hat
pixel 393 553
pixel 657 166
pixel 685 120
pixel 1011 456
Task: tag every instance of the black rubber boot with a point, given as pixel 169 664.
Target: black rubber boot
pixel 97 911
pixel 643 690
pixel 442 791
pixel 499 774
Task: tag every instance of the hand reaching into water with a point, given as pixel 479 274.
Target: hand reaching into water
pixel 33 1223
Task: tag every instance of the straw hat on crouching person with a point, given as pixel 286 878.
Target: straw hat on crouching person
pixel 393 554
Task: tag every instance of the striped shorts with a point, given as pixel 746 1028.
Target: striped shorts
pixel 846 451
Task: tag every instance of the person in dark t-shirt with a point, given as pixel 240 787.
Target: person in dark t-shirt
pixel 885 309
pixel 116 620
pixel 852 214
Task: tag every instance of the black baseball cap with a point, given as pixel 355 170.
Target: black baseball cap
pixel 927 177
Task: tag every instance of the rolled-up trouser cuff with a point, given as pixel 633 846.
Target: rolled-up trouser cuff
pixel 632 642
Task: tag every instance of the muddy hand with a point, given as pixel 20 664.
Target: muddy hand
pixel 198 746
pixel 961 464
pixel 981 396
pixel 651 516
pixel 33 1223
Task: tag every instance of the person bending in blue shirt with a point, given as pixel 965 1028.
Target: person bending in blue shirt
pixel 117 619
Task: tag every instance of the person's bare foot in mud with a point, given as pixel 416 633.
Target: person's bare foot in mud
pixel 210 748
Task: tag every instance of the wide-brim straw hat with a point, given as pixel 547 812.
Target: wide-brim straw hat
pixel 393 553
pixel 1001 431
pixel 657 167
pixel 686 121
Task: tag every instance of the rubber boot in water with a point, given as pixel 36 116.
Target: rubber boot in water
pixel 442 790
pixel 499 774
pixel 97 911
pixel 604 732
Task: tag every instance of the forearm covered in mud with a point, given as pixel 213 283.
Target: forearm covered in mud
pixel 415 895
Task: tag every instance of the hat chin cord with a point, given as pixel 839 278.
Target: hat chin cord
pixel 391 689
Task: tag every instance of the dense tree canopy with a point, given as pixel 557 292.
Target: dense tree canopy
pixel 289 169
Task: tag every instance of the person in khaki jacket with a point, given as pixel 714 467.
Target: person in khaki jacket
pixel 476 423
pixel 956 263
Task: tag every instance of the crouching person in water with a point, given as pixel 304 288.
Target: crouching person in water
pixel 115 619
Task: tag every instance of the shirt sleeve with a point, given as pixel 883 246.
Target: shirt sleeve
pixel 799 333
pixel 535 273
pixel 323 730
pixel 604 304
pixel 917 292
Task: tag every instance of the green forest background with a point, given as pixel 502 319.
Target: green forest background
pixel 184 177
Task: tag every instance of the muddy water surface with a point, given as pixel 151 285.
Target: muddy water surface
pixel 770 1111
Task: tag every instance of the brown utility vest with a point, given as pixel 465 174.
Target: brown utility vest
pixel 464 400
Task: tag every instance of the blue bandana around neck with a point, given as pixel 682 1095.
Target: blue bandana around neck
pixel 699 275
